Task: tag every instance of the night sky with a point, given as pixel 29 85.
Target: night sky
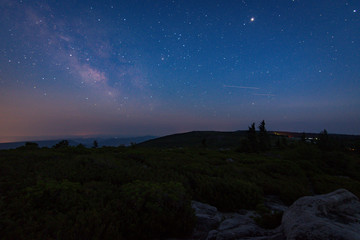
pixel 130 68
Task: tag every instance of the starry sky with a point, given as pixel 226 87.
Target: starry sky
pixel 157 67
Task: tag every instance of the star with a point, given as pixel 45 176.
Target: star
pixel 100 52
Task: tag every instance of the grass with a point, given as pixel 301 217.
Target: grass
pixel 112 193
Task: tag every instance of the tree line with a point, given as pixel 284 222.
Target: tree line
pixel 256 141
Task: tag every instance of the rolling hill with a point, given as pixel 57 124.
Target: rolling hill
pixel 198 139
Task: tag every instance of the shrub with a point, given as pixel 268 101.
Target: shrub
pixel 269 220
pixel 156 210
pixel 226 194
pixel 61 144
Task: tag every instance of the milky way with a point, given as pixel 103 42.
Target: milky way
pixel 84 68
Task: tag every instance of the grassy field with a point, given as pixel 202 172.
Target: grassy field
pixel 142 192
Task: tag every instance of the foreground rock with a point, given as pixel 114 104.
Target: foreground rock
pixel 208 218
pixel 330 216
pixel 333 216
pixel 213 225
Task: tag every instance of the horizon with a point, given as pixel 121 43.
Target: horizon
pixel 138 68
pixel 106 137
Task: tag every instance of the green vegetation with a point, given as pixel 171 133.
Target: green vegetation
pixel 144 193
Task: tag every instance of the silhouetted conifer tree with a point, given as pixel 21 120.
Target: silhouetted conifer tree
pixel 324 141
pixel 264 139
pixel 252 139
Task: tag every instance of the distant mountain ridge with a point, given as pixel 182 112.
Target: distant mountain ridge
pixel 225 139
pixel 87 142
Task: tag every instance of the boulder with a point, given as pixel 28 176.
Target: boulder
pixel 208 218
pixel 213 225
pixel 237 226
pixel 330 216
pixel 333 216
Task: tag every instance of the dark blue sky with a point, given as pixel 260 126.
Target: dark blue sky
pixel 80 68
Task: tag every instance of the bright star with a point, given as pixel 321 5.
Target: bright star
pixel 252 19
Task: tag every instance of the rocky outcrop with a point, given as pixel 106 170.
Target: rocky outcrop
pixel 330 216
pixel 208 218
pixel 214 225
pixel 333 216
pixel 241 226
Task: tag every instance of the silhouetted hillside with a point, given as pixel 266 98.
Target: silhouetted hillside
pixel 215 139
pixel 198 139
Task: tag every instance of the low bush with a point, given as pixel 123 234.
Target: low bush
pixel 137 193
pixel 226 194
pixel 158 209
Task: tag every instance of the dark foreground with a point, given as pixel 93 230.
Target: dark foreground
pixel 145 193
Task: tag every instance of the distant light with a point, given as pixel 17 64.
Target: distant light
pixel 354 10
pixel 252 19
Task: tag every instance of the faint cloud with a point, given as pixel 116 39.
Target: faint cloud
pixel 65 38
pixel 264 94
pixel 241 87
